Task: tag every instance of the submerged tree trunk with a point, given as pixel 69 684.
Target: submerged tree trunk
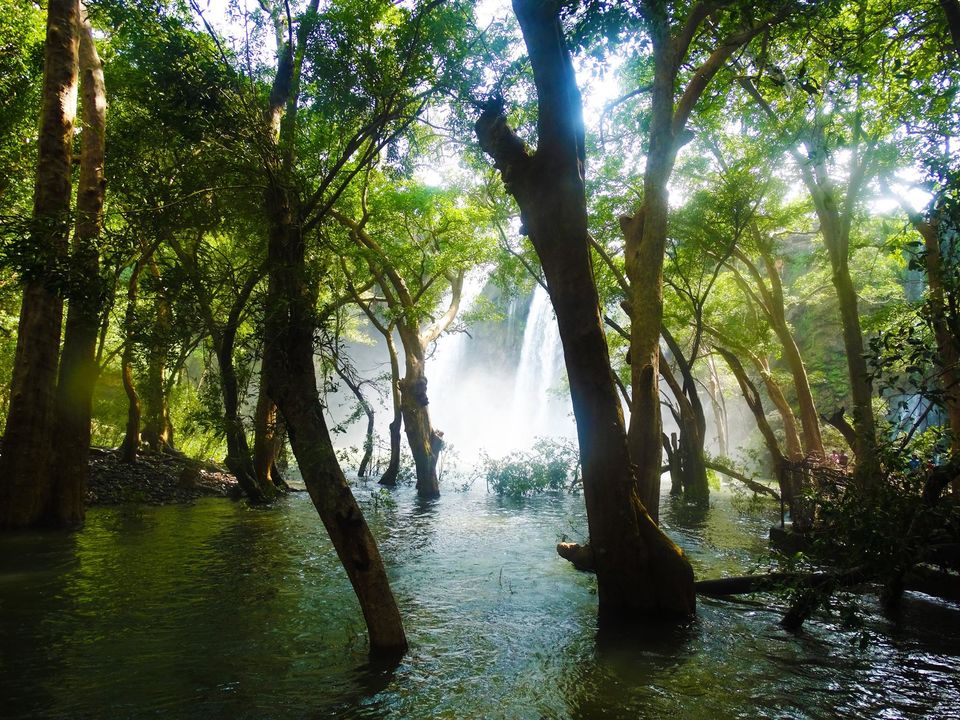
pixel 389 477
pixel 688 457
pixel 640 572
pixel 24 462
pixel 289 377
pixel 425 442
pixel 78 362
pixel 239 459
pixel 291 382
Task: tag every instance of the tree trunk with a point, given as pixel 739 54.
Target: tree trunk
pixel 239 460
pixel 861 387
pixel 792 442
pixel 131 440
pixel 640 572
pixel 389 477
pixel 24 483
pixel 691 460
pixel 291 382
pixel 777 314
pixel 790 490
pixel 78 363
pixel 948 344
pixel 267 439
pixel 425 442
pixel 157 430
pixel 835 224
pixel 951 11
pixel 719 409
pixel 809 418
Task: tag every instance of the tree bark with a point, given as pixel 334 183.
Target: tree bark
pixel 777 314
pixel 640 572
pixel 267 440
pixel 790 491
pixel 948 344
pixel 24 463
pixel 78 362
pixel 690 461
pixel 425 442
pixel 951 11
pixel 792 442
pixel 645 232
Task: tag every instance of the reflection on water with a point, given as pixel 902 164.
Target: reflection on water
pixel 219 610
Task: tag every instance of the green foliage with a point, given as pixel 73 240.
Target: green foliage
pixel 550 464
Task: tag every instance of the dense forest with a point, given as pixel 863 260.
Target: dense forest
pixel 745 217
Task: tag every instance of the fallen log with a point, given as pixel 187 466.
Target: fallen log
pixel 752 484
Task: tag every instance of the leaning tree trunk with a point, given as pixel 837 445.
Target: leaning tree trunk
pixel 24 462
pixel 354 385
pixel 291 382
pixel 426 443
pixel 640 572
pixel 78 363
pixel 790 489
pixel 791 434
pixel 389 477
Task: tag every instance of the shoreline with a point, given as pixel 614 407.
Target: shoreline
pixel 154 479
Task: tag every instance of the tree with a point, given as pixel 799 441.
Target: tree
pixel 25 462
pixel 640 572
pixel 399 51
pixel 78 362
pixel 673 29
pixel 418 244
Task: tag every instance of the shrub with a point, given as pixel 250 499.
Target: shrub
pixel 551 464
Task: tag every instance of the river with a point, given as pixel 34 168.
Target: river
pixel 218 610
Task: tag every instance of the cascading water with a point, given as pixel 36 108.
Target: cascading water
pixel 496 387
pixel 488 401
pixel 538 408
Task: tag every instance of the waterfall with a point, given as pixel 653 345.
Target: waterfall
pixel 536 406
pixel 495 388
pixel 500 405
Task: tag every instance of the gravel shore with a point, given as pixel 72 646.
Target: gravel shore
pixel 154 479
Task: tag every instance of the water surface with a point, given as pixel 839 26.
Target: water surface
pixel 217 610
